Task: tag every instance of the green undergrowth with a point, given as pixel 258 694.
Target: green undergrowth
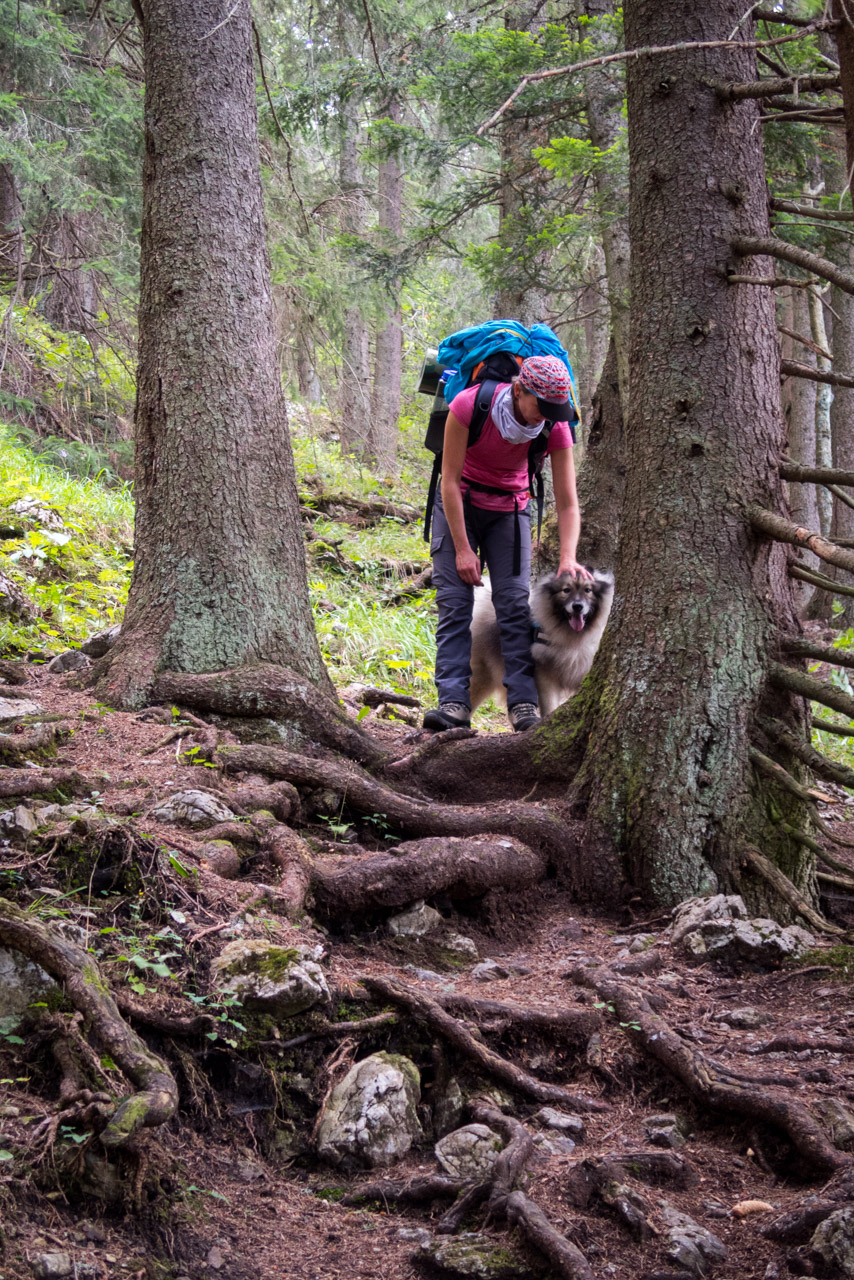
pixel 831 744
pixel 76 572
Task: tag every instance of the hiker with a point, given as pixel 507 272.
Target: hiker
pixel 482 516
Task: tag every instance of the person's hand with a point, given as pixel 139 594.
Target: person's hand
pixel 568 565
pixel 468 567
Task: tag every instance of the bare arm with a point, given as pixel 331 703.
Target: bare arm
pixel 453 459
pixel 568 511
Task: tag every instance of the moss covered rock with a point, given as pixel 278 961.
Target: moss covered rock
pixel 280 980
pixel 476 1255
pixel 370 1118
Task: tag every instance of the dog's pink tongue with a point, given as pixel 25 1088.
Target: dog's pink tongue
pixel 576 622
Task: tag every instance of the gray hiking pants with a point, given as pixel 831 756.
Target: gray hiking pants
pixel 491 534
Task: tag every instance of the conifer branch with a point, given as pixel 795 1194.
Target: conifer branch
pixel 768 246
pixel 819 580
pixel 770 87
pixel 814 690
pixel 809 211
pixel 797 647
pixel 792 369
pixel 782 530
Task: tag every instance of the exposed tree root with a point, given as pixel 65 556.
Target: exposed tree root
pixel 706 1079
pixel 529 823
pixel 567 1261
pixel 830 770
pixel 274 692
pixel 783 886
pixel 372 697
pixel 421 868
pixel 429 1012
pixel 17 748
pixel 797 1044
pixel 574 1026
pixel 42 782
pixel 156 1099
pixel 418 1191
pixel 496 768
pixel 334 1031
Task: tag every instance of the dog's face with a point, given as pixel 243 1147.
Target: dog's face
pixel 575 601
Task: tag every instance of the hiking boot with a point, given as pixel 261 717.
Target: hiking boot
pixel 448 715
pixel 523 716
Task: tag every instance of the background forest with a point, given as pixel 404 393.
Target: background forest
pixel 247 910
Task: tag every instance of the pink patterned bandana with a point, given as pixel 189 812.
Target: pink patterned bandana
pixel 547 377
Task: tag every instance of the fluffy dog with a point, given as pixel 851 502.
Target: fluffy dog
pixel 570 613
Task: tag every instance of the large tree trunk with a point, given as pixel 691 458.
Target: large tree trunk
pixel 388 357
pixel 219 577
pixel 665 785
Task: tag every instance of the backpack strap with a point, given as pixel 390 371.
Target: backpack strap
pixel 482 406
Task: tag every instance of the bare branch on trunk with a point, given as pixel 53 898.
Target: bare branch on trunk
pixel 808 687
pixel 830 770
pixel 781 529
pixel 793 369
pixel 811 211
pixel 796 647
pixel 767 246
pixel 819 580
pixel 770 87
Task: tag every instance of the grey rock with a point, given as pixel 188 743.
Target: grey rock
pixel 20 821
pixel 414 1235
pixel 423 975
pixel 692 913
pixel 416 922
pixel 15 708
pixel 665 1131
pixel 448 1106
pixel 470 1152
pixel 281 980
pixel 370 1118
pixel 489 970
pixel 690 1245
pixel 554 1144
pixel 833 1242
pixel 71 660
pixel 37 511
pixel 52 1266
pixel 475 1256
pixel 194 808
pixel 744 1019
pixel 761 943
pixel 641 943
pixel 839 1120
pixel 549 1118
pixel 22 983
pixel 458 945
pixel 96 646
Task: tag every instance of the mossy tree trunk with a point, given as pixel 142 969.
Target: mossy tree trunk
pixel 219 578
pixel 665 785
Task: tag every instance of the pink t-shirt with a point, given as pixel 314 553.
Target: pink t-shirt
pixel 494 461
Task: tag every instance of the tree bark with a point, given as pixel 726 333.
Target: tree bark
pixel 388 357
pixel 665 784
pixel 57 271
pixel 219 577
pixel 602 475
pixel 11 228
pixel 801 439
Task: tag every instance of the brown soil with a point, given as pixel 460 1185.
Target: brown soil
pixel 232 1202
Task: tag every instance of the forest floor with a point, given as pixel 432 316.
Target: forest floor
pixel 230 1186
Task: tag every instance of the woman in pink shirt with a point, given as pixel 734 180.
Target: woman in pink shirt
pixel 483 516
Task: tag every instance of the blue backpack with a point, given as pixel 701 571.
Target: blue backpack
pixel 487 354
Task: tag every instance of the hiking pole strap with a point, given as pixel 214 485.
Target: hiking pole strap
pixel 431 495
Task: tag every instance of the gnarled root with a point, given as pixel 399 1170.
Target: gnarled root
pixel 529 823
pixel 17 748
pixel 429 1012
pixel 706 1079
pixel 422 868
pixel 156 1099
pixel 276 692
pixel 42 782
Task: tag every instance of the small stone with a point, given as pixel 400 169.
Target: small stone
pixel 52 1266
pixel 641 943
pixel 99 644
pixel 448 1106
pixel 554 1145
pixel 470 1152
pixel 414 1235
pixel 8 1112
pixel 23 821
pixel 620 941
pixel 215 1258
pixel 71 660
pixel 665 1131
pixel 92 1232
pixel 691 1246
pixel 15 708
pixel 457 944
pixel 416 922
pixel 423 975
pixel 194 808
pixel 549 1118
pixel 221 857
pixel 489 971
pixel 744 1019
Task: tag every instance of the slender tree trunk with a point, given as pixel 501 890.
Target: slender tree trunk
pixel 219 577
pixel 823 399
pixel 604 95
pixel 388 357
pixel 801 438
pixel 523 294
pixel 11 229
pixel 354 391
pixel 58 272
pixel 596 312
pixel 602 475
pixel 665 784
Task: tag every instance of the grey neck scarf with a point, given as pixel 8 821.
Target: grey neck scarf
pixel 511 430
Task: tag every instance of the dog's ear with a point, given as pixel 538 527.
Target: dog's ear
pixel 602 576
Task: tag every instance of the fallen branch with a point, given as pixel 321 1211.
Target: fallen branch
pixel 371 697
pixel 706 1079
pixel 768 246
pixel 156 1099
pixel 428 1011
pixel 782 530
